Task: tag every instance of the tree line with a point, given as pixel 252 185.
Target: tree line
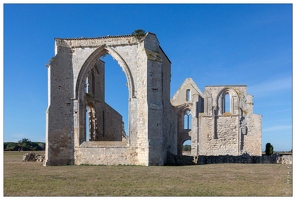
pixel 186 147
pixel 24 145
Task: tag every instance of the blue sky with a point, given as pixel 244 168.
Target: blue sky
pixel 214 44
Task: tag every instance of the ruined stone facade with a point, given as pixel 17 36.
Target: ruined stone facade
pixel 204 119
pixel 233 131
pixel 82 128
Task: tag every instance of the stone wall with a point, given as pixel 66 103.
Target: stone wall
pixel 147 70
pixel 156 123
pixel 245 158
pixel 156 101
pixel 104 153
pixel 253 139
pixel 229 132
pixel 188 98
pixel 169 119
pixel 226 140
pixel 113 125
pixel 59 136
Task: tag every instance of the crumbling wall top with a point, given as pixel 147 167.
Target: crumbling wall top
pixel 98 41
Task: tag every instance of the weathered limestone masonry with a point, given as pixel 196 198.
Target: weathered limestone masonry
pixel 246 158
pixel 82 128
pixel 204 119
pixel 76 85
pixel 229 132
pixel 188 103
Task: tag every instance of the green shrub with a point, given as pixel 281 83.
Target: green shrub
pixel 268 149
pixel 139 33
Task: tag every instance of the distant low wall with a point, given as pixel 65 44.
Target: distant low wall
pixel 245 158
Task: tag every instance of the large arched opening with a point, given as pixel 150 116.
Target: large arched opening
pixel 102 85
pixel 116 89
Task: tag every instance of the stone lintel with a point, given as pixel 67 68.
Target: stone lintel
pixel 96 42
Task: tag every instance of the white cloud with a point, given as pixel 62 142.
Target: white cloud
pixel 271 87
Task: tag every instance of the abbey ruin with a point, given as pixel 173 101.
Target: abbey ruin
pixel 81 128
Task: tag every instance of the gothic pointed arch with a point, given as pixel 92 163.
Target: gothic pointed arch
pixel 233 101
pixel 91 61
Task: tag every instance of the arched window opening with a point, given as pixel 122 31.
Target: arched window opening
pixel 106 99
pixel 93 85
pixel 186 150
pixel 86 85
pixel 188 95
pixel 226 103
pixel 87 124
pixel 187 120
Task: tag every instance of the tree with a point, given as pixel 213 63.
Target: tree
pixel 139 33
pixel 24 140
pixel 25 144
pixel 12 146
pixel 186 147
pixel 268 149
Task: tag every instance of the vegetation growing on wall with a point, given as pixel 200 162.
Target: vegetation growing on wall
pixel 139 33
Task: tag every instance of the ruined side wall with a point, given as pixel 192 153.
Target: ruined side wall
pixel 155 101
pixel 59 137
pixel 99 97
pixel 113 124
pixel 252 137
pixel 171 131
pixel 169 115
pixel 252 141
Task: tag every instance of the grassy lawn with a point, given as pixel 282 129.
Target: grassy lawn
pixel 32 179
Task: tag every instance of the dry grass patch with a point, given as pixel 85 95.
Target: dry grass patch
pixel 32 179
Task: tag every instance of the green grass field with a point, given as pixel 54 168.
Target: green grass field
pixel 32 179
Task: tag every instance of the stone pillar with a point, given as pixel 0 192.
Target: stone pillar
pixel 59 150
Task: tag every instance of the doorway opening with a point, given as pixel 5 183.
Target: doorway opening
pixel 186 150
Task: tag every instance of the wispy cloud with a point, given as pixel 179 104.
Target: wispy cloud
pixel 13 137
pixel 283 110
pixel 271 86
pixel 277 128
